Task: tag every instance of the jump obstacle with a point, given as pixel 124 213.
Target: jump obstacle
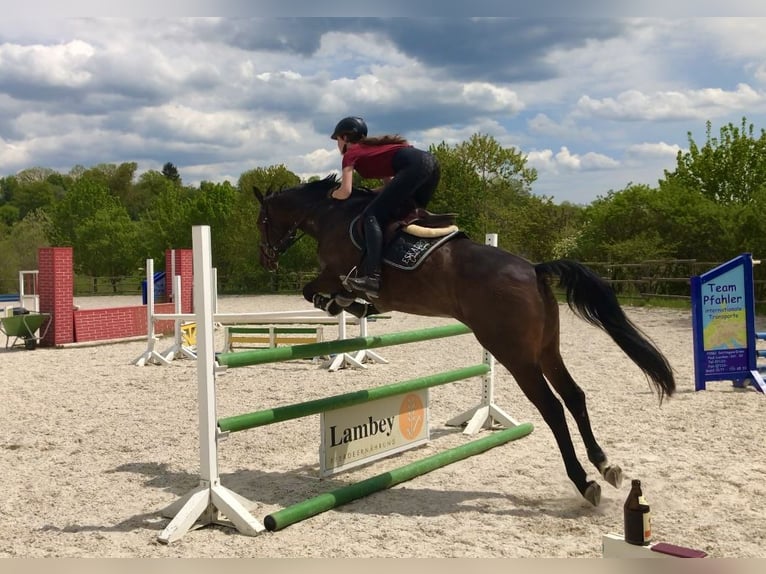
pixel 213 503
pixel 28 295
pixel 270 337
pixel 182 346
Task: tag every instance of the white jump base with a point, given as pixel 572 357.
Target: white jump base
pixel 614 546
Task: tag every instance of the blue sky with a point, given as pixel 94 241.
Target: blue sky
pixel 594 103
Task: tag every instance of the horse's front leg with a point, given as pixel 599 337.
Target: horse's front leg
pixel 326 293
pixel 361 309
pixel 321 293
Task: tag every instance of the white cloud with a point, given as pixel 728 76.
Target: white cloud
pixel 567 128
pixel 546 160
pixel 55 65
pixel 491 98
pixel 735 38
pixel 189 125
pixel 658 149
pixel 12 156
pixel 320 160
pixel 542 160
pixel 672 105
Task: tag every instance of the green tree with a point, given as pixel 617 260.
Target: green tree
pixel 118 179
pixel 8 187
pixel 692 225
pixel 166 223
pixel 33 195
pixel 243 239
pixel 458 189
pixel 98 228
pixel 170 171
pixel 622 227
pixel 107 243
pixel 730 169
pixel 18 250
pixel 268 179
pixel 489 186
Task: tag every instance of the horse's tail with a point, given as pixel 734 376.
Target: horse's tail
pixel 592 299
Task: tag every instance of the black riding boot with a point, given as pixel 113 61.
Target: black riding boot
pixel 368 280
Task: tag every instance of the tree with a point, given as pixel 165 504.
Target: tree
pixel 242 236
pixel 489 187
pixel 171 172
pixel 730 169
pixel 33 195
pixel 107 243
pixel 267 179
pixel 18 250
pixel 98 228
pixel 622 227
pixel 458 189
pixel 166 223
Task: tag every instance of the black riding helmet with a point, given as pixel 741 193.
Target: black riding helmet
pixel 352 126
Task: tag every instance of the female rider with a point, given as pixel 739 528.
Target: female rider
pixel 408 173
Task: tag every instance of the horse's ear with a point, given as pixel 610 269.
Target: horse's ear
pixel 258 195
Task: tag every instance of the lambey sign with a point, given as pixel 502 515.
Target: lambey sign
pixel 356 435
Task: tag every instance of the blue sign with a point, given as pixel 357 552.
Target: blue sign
pixel 723 322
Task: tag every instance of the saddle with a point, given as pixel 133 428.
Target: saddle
pixel 410 238
pixel 422 223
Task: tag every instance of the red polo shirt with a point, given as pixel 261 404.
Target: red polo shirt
pixel 372 161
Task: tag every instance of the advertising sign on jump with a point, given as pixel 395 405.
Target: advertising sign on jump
pixel 359 434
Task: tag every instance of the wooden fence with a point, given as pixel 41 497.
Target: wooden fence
pixel 666 278
pixel 653 278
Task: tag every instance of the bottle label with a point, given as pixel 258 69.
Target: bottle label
pixel 647 519
pixel 647 526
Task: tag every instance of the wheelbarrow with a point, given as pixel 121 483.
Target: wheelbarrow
pixel 25 327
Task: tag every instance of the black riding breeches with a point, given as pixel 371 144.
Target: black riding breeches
pixel 416 178
pixel 417 175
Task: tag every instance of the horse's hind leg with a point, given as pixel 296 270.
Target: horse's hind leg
pixel 574 399
pixel 536 389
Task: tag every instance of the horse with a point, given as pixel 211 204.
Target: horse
pixel 507 301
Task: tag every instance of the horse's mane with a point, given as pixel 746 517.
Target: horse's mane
pixel 320 188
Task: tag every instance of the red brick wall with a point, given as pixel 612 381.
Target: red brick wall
pixel 56 288
pixel 184 266
pixel 118 322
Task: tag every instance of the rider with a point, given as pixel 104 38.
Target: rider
pixel 407 173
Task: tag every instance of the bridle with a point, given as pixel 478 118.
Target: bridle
pixel 272 251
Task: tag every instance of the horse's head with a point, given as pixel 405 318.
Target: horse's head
pixel 283 214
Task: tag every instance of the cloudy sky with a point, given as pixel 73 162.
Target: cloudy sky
pixel 595 103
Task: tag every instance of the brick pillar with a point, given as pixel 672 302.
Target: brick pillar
pixel 56 286
pixel 184 266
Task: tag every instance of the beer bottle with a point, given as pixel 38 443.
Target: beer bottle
pixel 638 518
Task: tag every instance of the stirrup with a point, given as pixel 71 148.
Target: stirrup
pixel 362 284
pixel 344 278
pixel 368 283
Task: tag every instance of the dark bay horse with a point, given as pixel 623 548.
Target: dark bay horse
pixel 506 301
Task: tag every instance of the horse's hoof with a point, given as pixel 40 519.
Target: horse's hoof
pixel 613 475
pixel 593 493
